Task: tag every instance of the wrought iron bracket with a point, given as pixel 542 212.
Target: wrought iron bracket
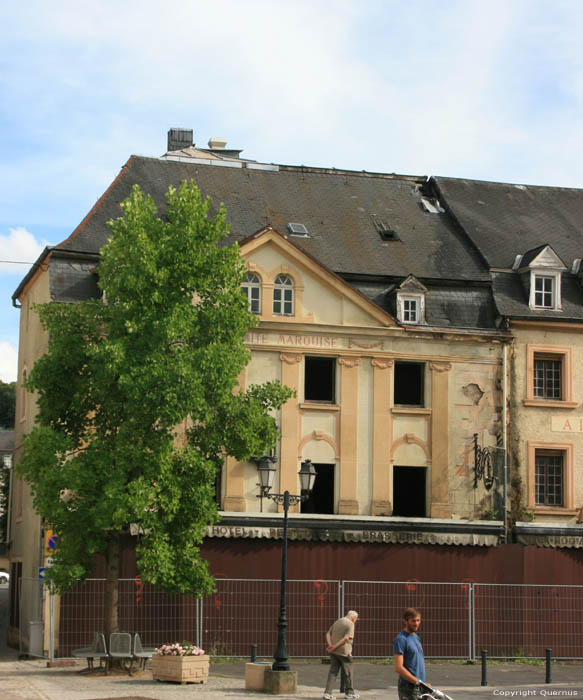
pixel 483 465
pixel 279 498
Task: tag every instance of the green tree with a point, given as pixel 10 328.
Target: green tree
pixel 164 348
pixel 7 404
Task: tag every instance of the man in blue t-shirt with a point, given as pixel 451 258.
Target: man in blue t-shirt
pixel 408 657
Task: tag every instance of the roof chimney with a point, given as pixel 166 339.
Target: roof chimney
pixel 216 143
pixel 179 139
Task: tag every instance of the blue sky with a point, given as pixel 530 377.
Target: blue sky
pixel 457 88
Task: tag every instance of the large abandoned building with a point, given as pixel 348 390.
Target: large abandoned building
pixel 430 328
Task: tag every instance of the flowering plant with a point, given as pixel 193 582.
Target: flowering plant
pixel 176 649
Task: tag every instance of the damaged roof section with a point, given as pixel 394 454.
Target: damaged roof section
pixel 339 209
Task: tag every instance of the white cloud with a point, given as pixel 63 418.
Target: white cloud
pixel 8 362
pixel 19 246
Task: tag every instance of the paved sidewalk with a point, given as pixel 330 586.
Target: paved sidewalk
pixel 32 680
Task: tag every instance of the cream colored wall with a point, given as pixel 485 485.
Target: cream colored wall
pixel 365 442
pixel 465 370
pixel 319 302
pixel 477 405
pixel 543 424
pixel 26 525
pixel 265 366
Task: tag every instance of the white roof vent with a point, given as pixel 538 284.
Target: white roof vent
pixel 298 230
pixel 217 143
pixel 517 262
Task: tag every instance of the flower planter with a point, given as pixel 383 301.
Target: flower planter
pixel 181 669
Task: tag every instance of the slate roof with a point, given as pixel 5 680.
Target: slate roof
pixel 446 306
pixel 512 299
pixel 341 209
pixel 505 220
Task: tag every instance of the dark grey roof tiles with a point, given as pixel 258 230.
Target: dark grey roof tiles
pixel 72 280
pixel 504 220
pixel 445 306
pixel 512 300
pixel 340 210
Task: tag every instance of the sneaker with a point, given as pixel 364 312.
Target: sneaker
pixel 329 696
pixel 351 695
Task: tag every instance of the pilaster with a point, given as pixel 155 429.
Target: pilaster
pixel 234 474
pixel 440 505
pixel 382 436
pixel 290 425
pixel 348 503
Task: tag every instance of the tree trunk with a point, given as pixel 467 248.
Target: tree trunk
pixel 111 585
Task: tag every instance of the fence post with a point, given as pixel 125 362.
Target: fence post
pixel 470 622
pixel 548 666
pixel 253 653
pixel 198 609
pixel 484 668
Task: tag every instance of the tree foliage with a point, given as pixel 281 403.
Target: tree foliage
pixel 7 404
pixel 138 398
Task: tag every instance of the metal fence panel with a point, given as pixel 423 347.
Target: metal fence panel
pixel 157 616
pixel 445 610
pixel 246 611
pixel 459 619
pixel 522 620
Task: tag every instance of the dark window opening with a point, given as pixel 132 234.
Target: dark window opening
pixel 320 379
pixel 409 491
pixel 321 499
pixel 409 383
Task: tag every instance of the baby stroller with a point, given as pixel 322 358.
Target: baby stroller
pixel 430 693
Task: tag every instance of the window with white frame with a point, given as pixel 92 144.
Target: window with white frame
pixel 283 296
pixel 252 289
pixel 410 308
pixel 544 292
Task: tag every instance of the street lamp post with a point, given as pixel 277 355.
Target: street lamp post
pixel 307 479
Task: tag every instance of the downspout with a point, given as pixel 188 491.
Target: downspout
pixel 505 437
pixel 9 513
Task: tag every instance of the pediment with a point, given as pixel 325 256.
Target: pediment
pixel 544 258
pixel 412 285
pixel 325 297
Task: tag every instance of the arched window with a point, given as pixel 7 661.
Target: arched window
pixel 283 296
pixel 252 289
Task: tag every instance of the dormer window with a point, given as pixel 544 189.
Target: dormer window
pixel 540 270
pixel 411 301
pixel 252 289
